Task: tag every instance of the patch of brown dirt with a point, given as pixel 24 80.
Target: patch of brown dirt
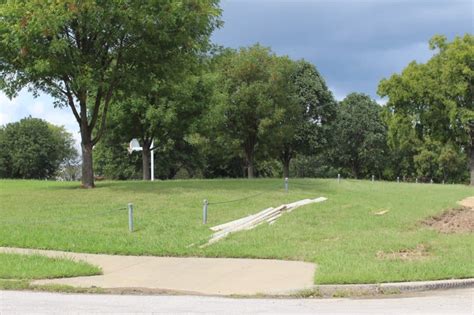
pixel 460 220
pixel 417 253
pixel 468 202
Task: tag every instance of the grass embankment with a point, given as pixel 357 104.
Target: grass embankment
pixel 341 235
pixel 16 266
pixel 17 270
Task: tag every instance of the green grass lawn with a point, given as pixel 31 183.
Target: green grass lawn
pixel 16 266
pixel 341 235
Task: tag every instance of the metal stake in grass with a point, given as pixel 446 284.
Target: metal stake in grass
pixel 204 211
pixel 286 184
pixel 130 217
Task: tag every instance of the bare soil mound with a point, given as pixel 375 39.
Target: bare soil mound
pixel 460 220
pixel 468 202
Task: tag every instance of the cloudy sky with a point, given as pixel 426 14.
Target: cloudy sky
pixel 353 43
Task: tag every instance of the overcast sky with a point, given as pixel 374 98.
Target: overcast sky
pixel 353 43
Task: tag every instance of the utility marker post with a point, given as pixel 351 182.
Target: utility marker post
pixel 204 211
pixel 152 161
pixel 286 184
pixel 130 217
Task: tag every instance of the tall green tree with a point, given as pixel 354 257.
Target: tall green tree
pixel 281 140
pixel 360 137
pixel 440 162
pixel 83 52
pixel 33 148
pixel 438 95
pixel 308 110
pixel 164 115
pixel 249 111
pixel 403 143
pixel 220 151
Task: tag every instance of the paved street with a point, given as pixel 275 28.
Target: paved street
pixel 437 302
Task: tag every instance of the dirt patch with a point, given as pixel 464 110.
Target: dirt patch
pixel 417 253
pixel 468 202
pixel 460 220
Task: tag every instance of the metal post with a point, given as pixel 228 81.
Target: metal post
pixel 398 179
pixel 152 162
pixel 373 178
pixel 286 184
pixel 338 178
pixel 130 217
pixel 416 180
pixel 204 212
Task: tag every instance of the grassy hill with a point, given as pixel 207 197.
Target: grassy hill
pixel 343 235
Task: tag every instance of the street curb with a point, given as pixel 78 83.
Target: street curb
pixel 384 288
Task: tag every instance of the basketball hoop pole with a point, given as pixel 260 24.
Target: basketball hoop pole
pixel 152 162
pixel 135 146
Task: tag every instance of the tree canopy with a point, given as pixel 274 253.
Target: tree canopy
pixel 33 148
pixel 248 110
pixel 83 52
pixel 309 109
pixel 437 96
pixel 359 137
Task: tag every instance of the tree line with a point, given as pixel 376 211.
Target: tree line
pixel 149 71
pixel 251 112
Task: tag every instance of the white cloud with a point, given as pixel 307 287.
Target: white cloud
pixel 338 95
pixel 36 108
pixel 8 109
pixel 381 101
pixel 25 105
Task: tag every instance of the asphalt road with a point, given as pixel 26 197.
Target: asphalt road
pixel 458 301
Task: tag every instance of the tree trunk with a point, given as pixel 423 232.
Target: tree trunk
pixel 249 161
pixel 286 168
pixel 250 173
pixel 146 162
pixel 285 158
pixel 87 167
pixel 355 172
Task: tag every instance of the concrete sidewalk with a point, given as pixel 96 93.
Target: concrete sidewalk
pixel 211 276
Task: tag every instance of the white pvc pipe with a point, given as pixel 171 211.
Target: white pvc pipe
pixel 152 163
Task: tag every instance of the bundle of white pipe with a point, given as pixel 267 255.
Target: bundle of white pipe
pixel 249 222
